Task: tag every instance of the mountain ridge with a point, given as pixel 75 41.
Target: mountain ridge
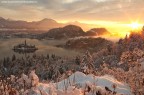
pixel 49 25
pixel 71 31
pixel 44 24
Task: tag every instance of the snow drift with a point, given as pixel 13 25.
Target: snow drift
pixel 76 84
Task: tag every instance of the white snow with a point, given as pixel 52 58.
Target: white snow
pixel 76 84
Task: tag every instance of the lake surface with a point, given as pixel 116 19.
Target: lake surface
pixel 44 47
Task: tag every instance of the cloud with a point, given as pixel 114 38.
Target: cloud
pixel 100 0
pixel 117 10
pixel 69 1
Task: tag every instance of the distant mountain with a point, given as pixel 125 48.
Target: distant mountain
pixel 68 31
pixel 44 24
pixel 1 18
pixel 97 32
pixel 71 31
pixel 47 24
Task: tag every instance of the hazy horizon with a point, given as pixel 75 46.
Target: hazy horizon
pixel 116 28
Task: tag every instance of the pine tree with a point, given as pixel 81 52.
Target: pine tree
pixel 87 63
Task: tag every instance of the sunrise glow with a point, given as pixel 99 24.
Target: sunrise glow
pixel 135 25
pixel 83 47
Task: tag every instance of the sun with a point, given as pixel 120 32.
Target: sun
pixel 135 25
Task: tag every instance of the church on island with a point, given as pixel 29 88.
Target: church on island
pixel 25 48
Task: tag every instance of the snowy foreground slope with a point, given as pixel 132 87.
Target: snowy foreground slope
pixel 77 83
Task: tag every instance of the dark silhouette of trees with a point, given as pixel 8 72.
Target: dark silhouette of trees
pixel 78 60
pixel 13 58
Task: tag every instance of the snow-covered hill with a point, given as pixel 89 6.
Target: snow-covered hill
pixel 79 83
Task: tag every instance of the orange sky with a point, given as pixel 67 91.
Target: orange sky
pixel 116 28
pixel 115 15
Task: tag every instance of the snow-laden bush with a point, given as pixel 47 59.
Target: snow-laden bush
pixel 132 56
